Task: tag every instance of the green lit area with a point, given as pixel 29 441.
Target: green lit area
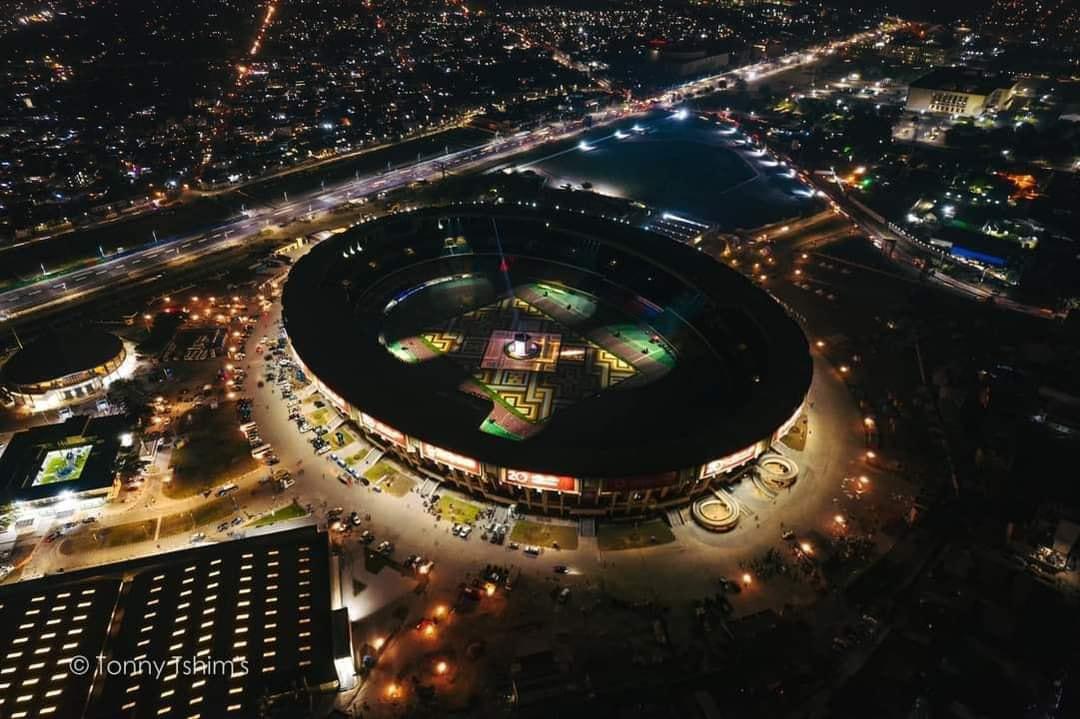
pixel 63 465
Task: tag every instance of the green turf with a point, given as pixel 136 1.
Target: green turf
pixel 320 416
pixel 613 537
pixel 582 303
pixel 357 458
pixel 457 510
pixel 641 339
pixel 379 470
pixel 403 353
pixel 497 398
pixel 291 511
pixel 56 461
pixel 544 535
pixel 333 440
pixel 496 429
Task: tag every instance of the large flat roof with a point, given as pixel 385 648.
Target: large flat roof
pixel 743 365
pixel 258 606
pixel 960 79
pixel 78 455
pixel 56 354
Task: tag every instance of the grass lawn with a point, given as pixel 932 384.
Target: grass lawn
pixel 215 451
pixel 320 416
pixel 290 511
pixel 398 485
pixel 544 535
pixel 357 458
pixel 380 469
pixel 613 537
pixel 333 440
pixel 209 512
pixel 115 536
pixel 457 510
pixel 57 468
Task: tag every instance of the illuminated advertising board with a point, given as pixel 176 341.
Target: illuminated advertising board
pixel 383 430
pixel 457 461
pixel 718 466
pixel 550 482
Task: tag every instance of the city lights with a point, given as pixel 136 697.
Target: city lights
pixel 538 294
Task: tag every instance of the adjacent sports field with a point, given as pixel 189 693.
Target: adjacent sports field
pixel 62 465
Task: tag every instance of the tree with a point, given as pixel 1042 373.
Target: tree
pixel 129 396
pixel 129 466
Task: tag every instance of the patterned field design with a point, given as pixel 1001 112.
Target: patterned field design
pixel 577 357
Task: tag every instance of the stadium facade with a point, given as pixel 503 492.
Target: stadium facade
pixel 66 368
pixel 569 364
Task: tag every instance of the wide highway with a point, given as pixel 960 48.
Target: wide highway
pixel 53 291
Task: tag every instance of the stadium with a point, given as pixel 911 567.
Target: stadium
pixel 566 363
pixel 66 367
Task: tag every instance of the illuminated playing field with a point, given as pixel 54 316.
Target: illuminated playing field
pixel 583 347
pixel 62 465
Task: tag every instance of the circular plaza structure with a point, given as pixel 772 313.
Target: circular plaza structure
pixel 65 367
pixel 566 363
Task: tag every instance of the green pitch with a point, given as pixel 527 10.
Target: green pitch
pixel 62 465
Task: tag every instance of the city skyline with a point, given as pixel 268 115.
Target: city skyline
pixel 500 358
